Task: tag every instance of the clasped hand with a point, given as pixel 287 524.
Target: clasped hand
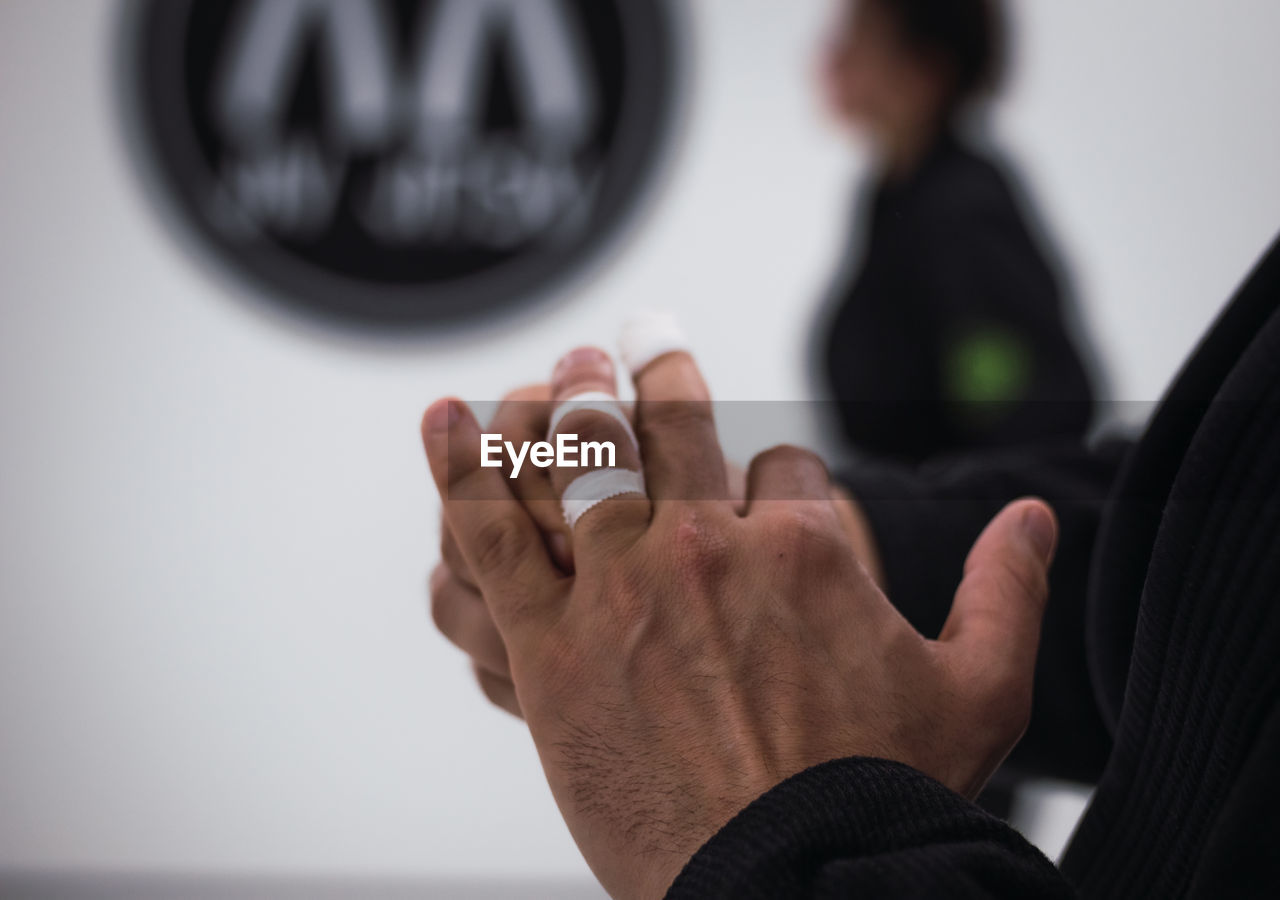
pixel 676 654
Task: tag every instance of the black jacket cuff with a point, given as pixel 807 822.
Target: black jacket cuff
pixel 865 828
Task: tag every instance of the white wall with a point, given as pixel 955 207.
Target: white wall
pixel 215 524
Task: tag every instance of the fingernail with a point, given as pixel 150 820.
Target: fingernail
pixel 648 335
pixel 586 364
pixel 583 356
pixel 442 415
pixel 1041 529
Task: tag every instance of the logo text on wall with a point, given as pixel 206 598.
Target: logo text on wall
pixel 404 160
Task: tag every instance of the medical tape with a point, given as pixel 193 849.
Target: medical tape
pixel 647 336
pixel 592 401
pixel 594 488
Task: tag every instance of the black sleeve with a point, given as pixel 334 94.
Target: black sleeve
pixel 866 828
pixel 926 520
pixel 1008 367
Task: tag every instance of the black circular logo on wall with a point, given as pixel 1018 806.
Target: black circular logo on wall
pixel 404 161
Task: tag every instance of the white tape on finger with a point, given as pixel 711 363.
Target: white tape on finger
pixel 593 401
pixel 647 336
pixel 594 488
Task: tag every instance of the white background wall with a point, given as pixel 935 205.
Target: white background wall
pixel 215 523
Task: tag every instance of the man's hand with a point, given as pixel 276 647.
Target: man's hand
pixel 457 605
pixel 698 656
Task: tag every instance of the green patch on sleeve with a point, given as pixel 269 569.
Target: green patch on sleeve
pixel 987 366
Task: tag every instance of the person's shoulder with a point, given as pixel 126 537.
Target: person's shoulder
pixel 966 183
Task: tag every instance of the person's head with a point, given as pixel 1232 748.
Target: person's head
pixel 894 64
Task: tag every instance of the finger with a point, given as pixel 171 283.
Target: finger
pixel 787 473
pixel 461 616
pixel 498 540
pixel 451 557
pixel 500 692
pixel 736 476
pixel 995 620
pixel 683 459
pixel 600 483
pixel 523 418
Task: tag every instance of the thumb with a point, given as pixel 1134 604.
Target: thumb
pixel 995 620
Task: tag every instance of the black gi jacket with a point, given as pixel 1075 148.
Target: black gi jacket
pixel 1159 676
pixel 954 312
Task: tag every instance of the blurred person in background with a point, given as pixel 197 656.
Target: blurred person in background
pixel 945 331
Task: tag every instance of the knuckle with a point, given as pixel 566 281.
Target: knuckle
pixel 698 544
pixel 789 455
pixel 614 522
pixel 449 551
pixel 498 544
pixel 442 611
pixel 488 688
pixel 518 607
pixel 676 415
pixel 803 534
